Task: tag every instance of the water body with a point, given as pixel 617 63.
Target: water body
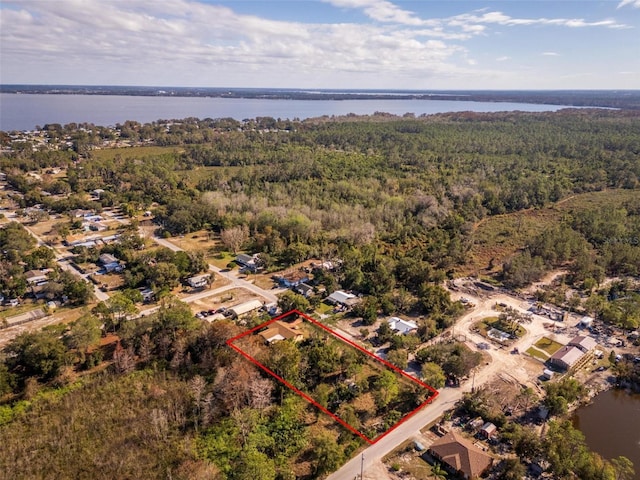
pixel 611 425
pixel 25 111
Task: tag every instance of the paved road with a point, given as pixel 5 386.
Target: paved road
pixel 235 281
pixel 410 428
pixel 192 298
pixel 64 264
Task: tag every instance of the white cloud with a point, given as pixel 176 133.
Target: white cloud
pixel 385 11
pixel 381 11
pixel 141 38
pixel 188 42
pixel 633 3
pixel 550 54
pixel 500 18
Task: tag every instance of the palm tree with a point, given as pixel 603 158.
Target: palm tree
pixel 438 472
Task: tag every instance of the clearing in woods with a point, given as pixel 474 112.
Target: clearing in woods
pixel 498 237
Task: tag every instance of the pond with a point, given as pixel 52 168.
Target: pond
pixel 611 425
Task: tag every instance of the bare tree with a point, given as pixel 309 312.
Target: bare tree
pixel 234 237
pixel 261 390
pixel 123 359
pixel 196 387
pixel 159 423
pixel 145 348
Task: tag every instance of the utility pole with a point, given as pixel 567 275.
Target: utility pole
pixel 362 467
pixel 473 381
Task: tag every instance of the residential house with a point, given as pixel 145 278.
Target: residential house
pixel 292 278
pixel 250 262
pixel 244 308
pixel 280 330
pixel 199 281
pixel 342 298
pixel 147 294
pixel 109 263
pixel 402 326
pixel 460 456
pixel 304 289
pixel 36 276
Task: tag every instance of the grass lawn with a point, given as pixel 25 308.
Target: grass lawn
pixel 548 345
pixel 24 307
pixel 324 308
pixel 485 324
pixel 405 459
pixel 535 353
pixel 488 323
pixel 221 259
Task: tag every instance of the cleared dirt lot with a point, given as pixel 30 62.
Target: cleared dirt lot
pixel 227 299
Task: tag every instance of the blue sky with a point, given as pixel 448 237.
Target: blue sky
pixel 418 44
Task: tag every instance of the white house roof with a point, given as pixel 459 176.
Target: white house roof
pixel 245 307
pixel 245 259
pixel 199 280
pixel 341 297
pixel 586 320
pixel 402 326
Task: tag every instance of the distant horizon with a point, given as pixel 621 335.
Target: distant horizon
pixel 319 89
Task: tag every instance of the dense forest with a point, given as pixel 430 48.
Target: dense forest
pixel 396 199
pixel 396 204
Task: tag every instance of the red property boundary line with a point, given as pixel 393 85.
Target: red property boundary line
pixel 433 391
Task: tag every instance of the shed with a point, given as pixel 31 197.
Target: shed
pixel 547 374
pixel 37 276
pixel 586 321
pixel 488 430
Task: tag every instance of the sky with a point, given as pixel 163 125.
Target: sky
pixel 343 44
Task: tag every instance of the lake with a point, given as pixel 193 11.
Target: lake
pixel 25 111
pixel 611 425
